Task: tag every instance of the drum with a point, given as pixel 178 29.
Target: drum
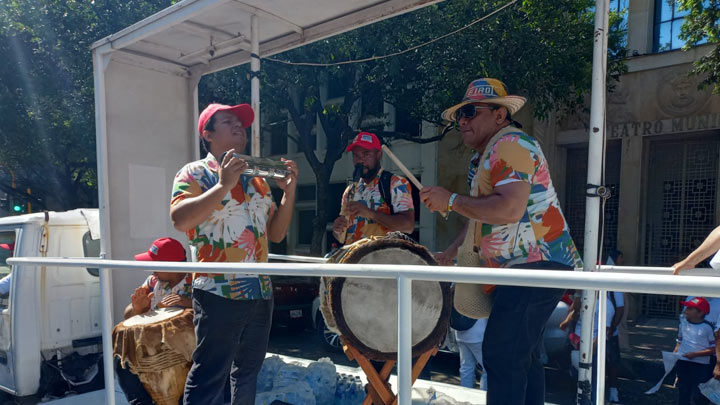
pixel 364 311
pixel 157 346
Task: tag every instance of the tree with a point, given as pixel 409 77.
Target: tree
pixel 702 24
pixel 541 48
pixel 47 138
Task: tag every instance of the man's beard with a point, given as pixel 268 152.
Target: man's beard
pixel 371 173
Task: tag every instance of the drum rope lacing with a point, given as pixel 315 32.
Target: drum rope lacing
pixel 158 362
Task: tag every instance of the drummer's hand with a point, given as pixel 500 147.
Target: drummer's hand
pixel 140 300
pixel 289 183
pixel 435 198
pixel 231 168
pixel 172 300
pixel 340 225
pixel 446 258
pixel 356 208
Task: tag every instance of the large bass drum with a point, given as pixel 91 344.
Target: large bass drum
pixel 364 310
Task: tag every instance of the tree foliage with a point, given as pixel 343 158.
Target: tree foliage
pixel 47 138
pixel 701 24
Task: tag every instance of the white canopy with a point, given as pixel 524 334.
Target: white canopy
pixel 203 36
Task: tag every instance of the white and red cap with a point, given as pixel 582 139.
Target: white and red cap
pixel 366 140
pixel 164 250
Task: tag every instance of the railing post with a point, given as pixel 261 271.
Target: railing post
pixel 601 352
pixel 404 365
pixel 107 325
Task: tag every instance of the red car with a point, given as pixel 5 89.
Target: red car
pixel 294 297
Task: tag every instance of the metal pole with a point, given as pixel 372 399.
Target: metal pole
pixel 255 84
pixel 594 177
pixel 602 335
pixel 404 365
pixel 100 60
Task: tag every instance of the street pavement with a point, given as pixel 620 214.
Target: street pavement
pixel 641 368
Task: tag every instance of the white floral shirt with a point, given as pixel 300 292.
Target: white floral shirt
pixel 235 232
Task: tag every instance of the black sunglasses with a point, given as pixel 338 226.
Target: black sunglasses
pixel 470 110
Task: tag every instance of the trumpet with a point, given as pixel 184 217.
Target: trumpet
pixel 261 167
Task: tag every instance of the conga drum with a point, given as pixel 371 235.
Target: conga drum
pixel 157 346
pixel 364 310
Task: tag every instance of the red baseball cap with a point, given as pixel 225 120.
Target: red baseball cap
pixel 699 303
pixel 244 112
pixel 8 246
pixel 164 250
pixel 365 140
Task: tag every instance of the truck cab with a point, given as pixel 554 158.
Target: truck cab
pixel 50 313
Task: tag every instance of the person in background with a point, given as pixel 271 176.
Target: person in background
pixel 707 248
pixel 696 342
pixel 470 343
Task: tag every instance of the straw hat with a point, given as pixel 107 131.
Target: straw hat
pixel 489 91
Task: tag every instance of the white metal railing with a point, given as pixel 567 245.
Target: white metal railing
pixel 699 282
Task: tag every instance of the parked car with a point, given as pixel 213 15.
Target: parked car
pixel 294 301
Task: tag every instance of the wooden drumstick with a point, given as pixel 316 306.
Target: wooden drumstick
pixel 409 175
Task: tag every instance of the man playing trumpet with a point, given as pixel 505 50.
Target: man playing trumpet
pixel 379 202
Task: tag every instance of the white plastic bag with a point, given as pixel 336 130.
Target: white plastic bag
pixel 711 390
pixel 715 261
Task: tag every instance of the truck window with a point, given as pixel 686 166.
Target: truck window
pixel 91 248
pixel 7 244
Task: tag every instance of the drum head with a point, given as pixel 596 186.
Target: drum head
pixel 366 309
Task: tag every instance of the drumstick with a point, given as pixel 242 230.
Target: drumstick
pixel 409 175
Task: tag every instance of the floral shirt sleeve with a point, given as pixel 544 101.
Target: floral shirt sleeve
pixel 513 159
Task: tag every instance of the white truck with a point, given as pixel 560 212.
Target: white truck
pixel 50 323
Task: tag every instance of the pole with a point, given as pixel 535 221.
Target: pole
pixel 255 84
pixel 404 365
pixel 592 210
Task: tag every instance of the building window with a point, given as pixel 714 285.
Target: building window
pixel 620 7
pixel 305 226
pixel 668 21
pixel 278 138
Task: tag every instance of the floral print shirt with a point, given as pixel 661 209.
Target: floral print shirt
pixel 369 194
pixel 162 289
pixel 542 234
pixel 235 232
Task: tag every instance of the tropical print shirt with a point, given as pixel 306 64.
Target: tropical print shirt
pixel 235 232
pixel 369 194
pixel 162 289
pixel 542 234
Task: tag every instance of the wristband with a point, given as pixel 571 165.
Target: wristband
pixel 451 201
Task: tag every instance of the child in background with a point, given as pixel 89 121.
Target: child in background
pixel 696 342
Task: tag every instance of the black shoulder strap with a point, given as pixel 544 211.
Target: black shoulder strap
pixel 385 179
pixel 612 299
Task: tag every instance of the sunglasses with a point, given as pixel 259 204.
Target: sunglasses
pixel 470 111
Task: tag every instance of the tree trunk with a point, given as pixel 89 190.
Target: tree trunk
pixel 320 220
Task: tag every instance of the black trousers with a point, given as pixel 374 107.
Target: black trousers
pixel 690 375
pixel 232 338
pixel 511 348
pixel 131 386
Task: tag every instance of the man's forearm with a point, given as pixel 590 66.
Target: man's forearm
pixel 192 211
pixel 401 221
pixel 506 205
pixel 280 222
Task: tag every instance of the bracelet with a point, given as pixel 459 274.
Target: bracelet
pixel 451 201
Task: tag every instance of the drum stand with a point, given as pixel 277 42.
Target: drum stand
pixel 378 388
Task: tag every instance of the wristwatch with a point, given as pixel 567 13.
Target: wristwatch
pixel 451 201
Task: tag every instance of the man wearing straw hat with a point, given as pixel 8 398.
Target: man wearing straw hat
pixel 514 221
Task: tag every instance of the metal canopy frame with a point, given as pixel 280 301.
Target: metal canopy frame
pixel 162 58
